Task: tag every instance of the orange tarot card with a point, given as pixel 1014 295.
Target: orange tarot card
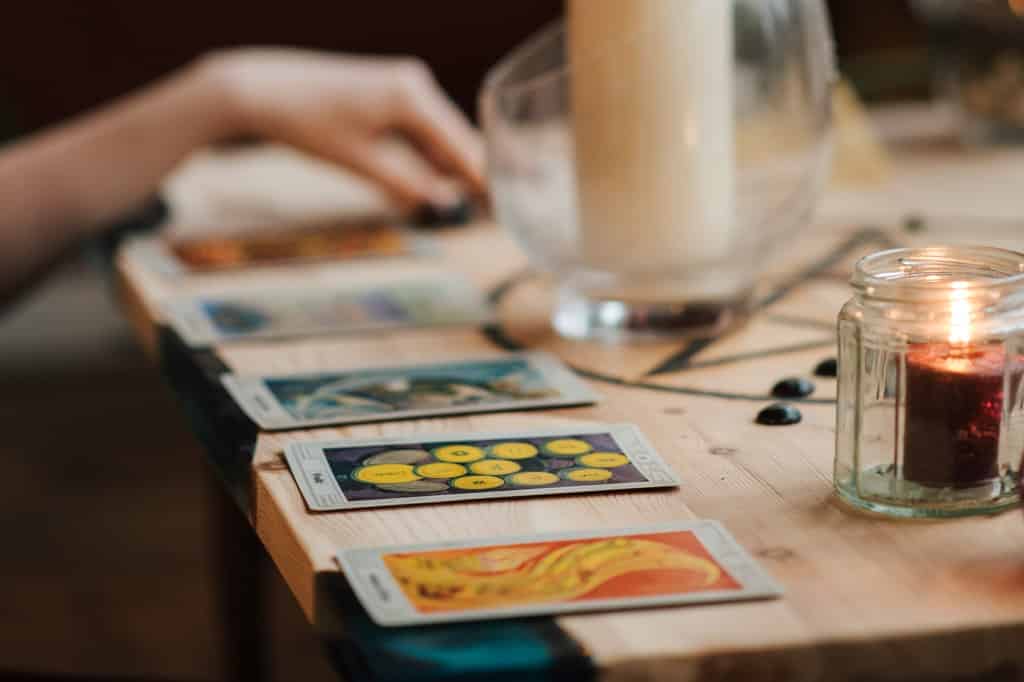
pixel 335 241
pixel 695 562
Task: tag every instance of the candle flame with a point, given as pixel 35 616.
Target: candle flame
pixel 960 316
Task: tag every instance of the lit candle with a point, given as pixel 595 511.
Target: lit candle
pixel 652 98
pixel 954 405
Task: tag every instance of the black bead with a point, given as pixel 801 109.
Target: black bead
pixel 915 223
pixel 429 216
pixel 779 414
pixel 793 387
pixel 826 368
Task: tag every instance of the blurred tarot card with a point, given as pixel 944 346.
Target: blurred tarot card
pixel 283 245
pixel 511 382
pixel 317 311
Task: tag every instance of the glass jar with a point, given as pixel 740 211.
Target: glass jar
pixel 930 413
pixel 651 164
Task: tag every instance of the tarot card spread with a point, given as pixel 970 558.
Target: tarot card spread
pixel 505 383
pixel 663 565
pixel 352 474
pixel 431 301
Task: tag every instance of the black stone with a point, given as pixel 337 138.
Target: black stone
pixel 793 387
pixel 826 368
pixel 429 216
pixel 915 223
pixel 779 414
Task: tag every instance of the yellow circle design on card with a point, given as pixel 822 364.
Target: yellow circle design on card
pixel 386 473
pixel 441 470
pixel 603 460
pixel 568 447
pixel 533 478
pixel 460 454
pixel 588 475
pixel 494 467
pixel 478 482
pixel 514 450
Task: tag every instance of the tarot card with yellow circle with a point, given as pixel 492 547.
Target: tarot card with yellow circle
pixel 452 467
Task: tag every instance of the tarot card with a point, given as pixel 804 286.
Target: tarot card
pixel 693 562
pixel 353 474
pixel 278 246
pixel 280 313
pixel 513 382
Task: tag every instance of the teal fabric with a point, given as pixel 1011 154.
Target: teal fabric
pixel 534 649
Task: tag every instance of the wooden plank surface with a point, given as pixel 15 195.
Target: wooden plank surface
pixel 866 598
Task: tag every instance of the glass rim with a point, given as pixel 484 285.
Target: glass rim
pixel 498 76
pixel 931 272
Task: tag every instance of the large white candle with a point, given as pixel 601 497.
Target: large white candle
pixel 652 98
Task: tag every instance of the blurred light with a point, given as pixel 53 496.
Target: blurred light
pixel 960 317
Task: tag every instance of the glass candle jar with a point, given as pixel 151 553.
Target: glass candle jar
pixel 930 420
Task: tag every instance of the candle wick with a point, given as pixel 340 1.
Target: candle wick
pixel 959 349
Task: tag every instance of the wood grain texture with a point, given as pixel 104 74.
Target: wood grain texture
pixel 866 598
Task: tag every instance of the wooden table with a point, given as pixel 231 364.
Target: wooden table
pixel 866 598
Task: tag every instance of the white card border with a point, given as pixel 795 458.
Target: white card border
pixel 151 253
pixel 308 464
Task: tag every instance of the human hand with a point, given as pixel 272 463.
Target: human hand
pixel 345 109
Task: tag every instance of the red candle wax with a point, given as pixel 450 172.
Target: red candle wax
pixel 954 402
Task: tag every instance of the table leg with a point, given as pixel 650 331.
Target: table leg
pixel 238 563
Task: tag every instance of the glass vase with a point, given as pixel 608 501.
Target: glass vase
pixel 652 156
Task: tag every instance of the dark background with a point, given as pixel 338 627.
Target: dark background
pixel 112 527
pixel 58 57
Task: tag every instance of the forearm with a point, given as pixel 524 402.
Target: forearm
pixel 64 184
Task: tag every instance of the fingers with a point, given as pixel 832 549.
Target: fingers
pixel 427 115
pixel 411 184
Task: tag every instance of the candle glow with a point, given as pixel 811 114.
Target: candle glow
pixel 954 403
pixel 960 316
pixel 949 441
